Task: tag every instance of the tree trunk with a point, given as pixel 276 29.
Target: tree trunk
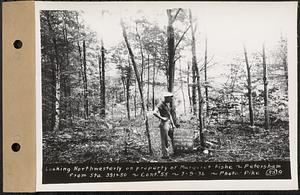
pixel 128 98
pixel 194 78
pixel 81 75
pixel 171 55
pixel 265 90
pixel 100 82
pixel 124 87
pixel 102 108
pixel 188 86
pixel 171 51
pixel 153 84
pixel 194 64
pixel 57 75
pixel 205 78
pixel 139 85
pixel 181 86
pixel 86 104
pixel 148 85
pixel 134 99
pixel 249 88
pixel 67 86
pixel 53 90
pixel 128 79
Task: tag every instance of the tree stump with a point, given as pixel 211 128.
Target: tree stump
pixel 183 140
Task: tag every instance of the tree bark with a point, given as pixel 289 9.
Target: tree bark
pixel 53 91
pixel 189 91
pixel 67 85
pixel 171 55
pixel 128 79
pixel 81 75
pixel 86 104
pixel 57 75
pixel 265 90
pixel 194 64
pixel 100 82
pixel 153 83
pixel 194 79
pixel 205 78
pixel 148 84
pixel 134 99
pixel 181 86
pixel 102 108
pixel 249 88
pixel 139 85
pixel 171 51
pixel 128 98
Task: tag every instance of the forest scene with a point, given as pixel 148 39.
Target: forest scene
pixel 104 72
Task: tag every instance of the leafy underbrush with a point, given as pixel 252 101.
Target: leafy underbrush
pixel 117 140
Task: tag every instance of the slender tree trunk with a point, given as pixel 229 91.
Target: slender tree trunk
pixel 81 74
pixel 194 79
pixel 188 87
pixel 124 87
pixel 135 99
pixel 53 91
pixel 128 97
pixel 242 109
pixel 128 80
pixel 67 86
pixel 102 111
pixel 200 99
pixel 100 81
pixel 57 75
pixel 139 85
pixel 265 90
pixel 181 86
pixel 148 85
pixel 57 94
pixel 205 78
pixel 153 84
pixel 249 88
pixel 86 104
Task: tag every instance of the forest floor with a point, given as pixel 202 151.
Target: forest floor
pixel 119 140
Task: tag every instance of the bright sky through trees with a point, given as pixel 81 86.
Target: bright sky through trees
pixel 227 25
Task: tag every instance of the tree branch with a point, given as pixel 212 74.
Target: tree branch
pixel 181 37
pixel 174 18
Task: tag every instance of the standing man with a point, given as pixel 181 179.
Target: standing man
pixel 167 121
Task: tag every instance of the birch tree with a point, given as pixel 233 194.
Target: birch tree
pixel 197 71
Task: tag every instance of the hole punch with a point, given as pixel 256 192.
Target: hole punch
pixel 18 44
pixel 16 147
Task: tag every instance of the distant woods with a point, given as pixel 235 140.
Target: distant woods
pixel 85 80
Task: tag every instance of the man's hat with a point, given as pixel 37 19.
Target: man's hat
pixel 168 94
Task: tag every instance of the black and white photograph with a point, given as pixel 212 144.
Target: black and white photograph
pixel 151 88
